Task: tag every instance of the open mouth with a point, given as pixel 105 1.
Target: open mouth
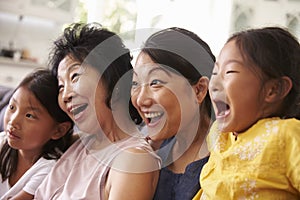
pixel 79 109
pixel 153 116
pixel 223 108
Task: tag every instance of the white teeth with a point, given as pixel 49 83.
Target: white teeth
pixel 79 109
pixel 74 108
pixel 222 112
pixel 153 115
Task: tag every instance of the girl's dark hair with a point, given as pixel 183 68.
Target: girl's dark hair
pixel 44 86
pixel 276 52
pixel 100 48
pixel 184 52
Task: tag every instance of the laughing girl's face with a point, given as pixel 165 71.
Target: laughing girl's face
pixel 236 91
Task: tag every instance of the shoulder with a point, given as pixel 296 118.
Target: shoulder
pixel 2 138
pixel 42 166
pixel 133 185
pixel 134 171
pixel 136 157
pixel 42 162
pixel 276 133
pixel 72 151
pixel 282 127
pixel 290 130
pixel 290 124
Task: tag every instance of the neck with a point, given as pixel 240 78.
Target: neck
pixel 122 126
pixel 195 151
pixel 25 161
pixel 29 157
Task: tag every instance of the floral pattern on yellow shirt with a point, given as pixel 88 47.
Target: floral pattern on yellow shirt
pixel 261 163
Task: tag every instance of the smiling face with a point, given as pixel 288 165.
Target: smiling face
pixel 165 100
pixel 236 91
pixel 82 96
pixel 28 124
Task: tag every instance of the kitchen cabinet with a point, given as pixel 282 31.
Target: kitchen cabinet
pixel 12 72
pixel 61 11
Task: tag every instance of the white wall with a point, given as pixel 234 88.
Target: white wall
pixel 209 19
pixel 268 13
pixel 30 33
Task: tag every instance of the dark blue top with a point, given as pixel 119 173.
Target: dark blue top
pixel 173 186
pixel 184 186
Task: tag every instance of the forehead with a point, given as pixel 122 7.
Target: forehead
pixel 143 60
pixel 145 67
pixel 25 98
pixel 69 65
pixel 23 93
pixel 230 50
pixel 144 64
pixel 229 53
pixel 66 65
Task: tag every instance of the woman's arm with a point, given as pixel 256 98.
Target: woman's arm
pixel 133 176
pixel 130 186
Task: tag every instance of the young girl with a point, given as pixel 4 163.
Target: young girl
pixel 36 132
pixel 255 141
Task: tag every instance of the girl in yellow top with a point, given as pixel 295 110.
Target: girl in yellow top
pixel 255 141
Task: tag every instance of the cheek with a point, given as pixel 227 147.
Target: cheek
pixel 186 99
pixel 170 102
pixel 134 100
pixel 83 89
pixel 189 111
pixel 87 85
pixel 213 82
pixel 61 103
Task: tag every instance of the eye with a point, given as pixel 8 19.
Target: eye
pixel 215 70
pixel 156 82
pixel 60 88
pixel 75 77
pixel 29 115
pixel 11 107
pixel 231 71
pixel 134 84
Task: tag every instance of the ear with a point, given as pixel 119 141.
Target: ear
pixel 277 89
pixel 201 88
pixel 61 130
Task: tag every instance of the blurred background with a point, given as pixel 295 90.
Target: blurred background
pixel 28 27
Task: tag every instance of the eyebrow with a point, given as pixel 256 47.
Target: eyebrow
pixel 230 61
pixel 31 107
pixel 158 68
pixel 72 66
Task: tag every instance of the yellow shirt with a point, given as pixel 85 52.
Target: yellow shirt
pixel 261 163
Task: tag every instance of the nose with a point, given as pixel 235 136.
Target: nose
pixel 14 122
pixel 143 96
pixel 67 93
pixel 215 83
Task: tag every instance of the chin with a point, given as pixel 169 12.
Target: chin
pixel 224 127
